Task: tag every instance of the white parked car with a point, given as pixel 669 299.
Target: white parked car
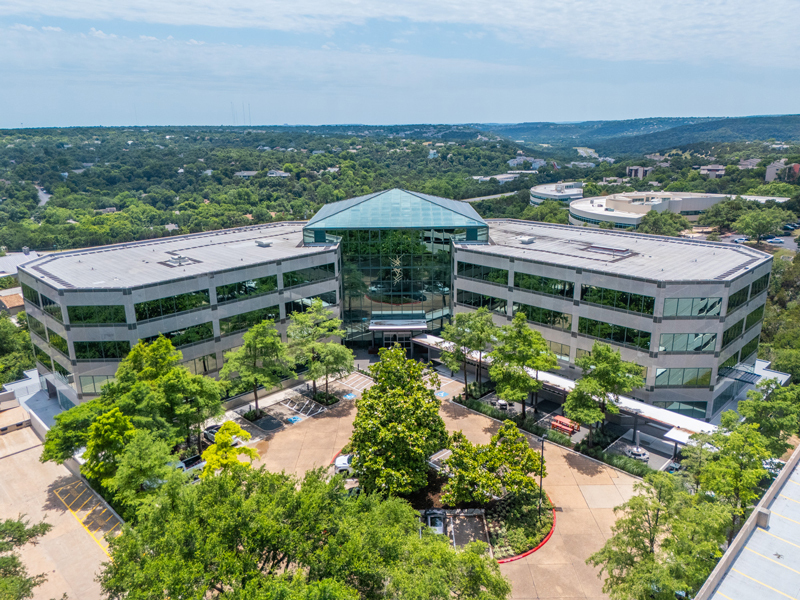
pixel 637 453
pixel 740 240
pixel 775 241
pixel 343 465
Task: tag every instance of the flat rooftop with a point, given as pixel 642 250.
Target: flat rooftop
pixel 154 261
pixel 598 203
pixel 652 257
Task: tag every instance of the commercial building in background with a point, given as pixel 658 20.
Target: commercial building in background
pixel 626 210
pixel 713 171
pixel 638 172
pixel 87 308
pixel 561 192
pixel 397 264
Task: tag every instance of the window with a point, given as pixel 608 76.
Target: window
pixel 58 342
pixel 754 318
pixel 728 394
pixel 37 327
pixel 759 285
pixel 544 316
pixel 696 410
pixel 730 362
pixel 43 357
pixel 616 334
pixel 52 308
pixel 99 351
pixel 749 348
pixel 247 289
pixel 309 275
pixel 683 377
pixel 96 315
pixel 737 299
pixel 30 294
pixel 560 350
pixel 63 374
pixel 731 333
pixel 483 273
pixel 186 336
pixel 93 384
pixel 619 300
pixel 154 309
pixel 202 365
pixel 581 352
pixel 692 307
pixel 687 342
pixel 302 305
pixel 246 320
pixel 544 285
pixel 478 300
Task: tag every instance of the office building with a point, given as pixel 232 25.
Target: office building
pixel 626 210
pixel 397 264
pixel 561 192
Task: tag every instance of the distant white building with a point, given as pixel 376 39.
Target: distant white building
pixel 277 173
pixel 245 174
pixel 520 160
pixel 433 154
pixel 626 210
pixel 562 192
pixel 750 163
pixel 582 165
pixel 774 169
pixel 502 178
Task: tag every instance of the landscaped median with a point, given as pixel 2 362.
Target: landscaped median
pixel 515 527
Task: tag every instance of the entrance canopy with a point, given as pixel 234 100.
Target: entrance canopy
pixel 398 325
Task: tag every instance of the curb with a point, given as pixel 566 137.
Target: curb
pixel 531 551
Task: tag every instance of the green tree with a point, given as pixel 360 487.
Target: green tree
pixel 308 331
pixel 724 214
pixel 253 534
pixel 15 582
pixel 520 352
pixel 397 426
pixel 757 224
pixel 333 360
pixel 262 360
pixel 108 436
pixel 470 332
pixel 222 455
pixel 776 411
pixel 16 355
pixel 71 430
pixel 610 377
pixel 584 403
pixel 481 472
pixel 663 542
pixel 663 223
pixel 194 399
pixel 143 466
pixel 549 211
pixel 736 468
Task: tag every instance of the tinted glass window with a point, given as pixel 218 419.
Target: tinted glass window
pixel 93 315
pixel 247 289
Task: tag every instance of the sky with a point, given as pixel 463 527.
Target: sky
pixel 273 62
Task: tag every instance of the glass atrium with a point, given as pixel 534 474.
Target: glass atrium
pixel 396 261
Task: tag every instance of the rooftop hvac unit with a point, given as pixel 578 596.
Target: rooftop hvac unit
pixel 264 243
pixel 527 240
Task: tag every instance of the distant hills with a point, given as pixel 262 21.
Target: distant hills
pixel 640 136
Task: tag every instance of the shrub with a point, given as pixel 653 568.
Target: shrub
pixel 326 399
pixel 559 438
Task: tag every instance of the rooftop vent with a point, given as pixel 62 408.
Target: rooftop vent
pixel 263 243
pixel 527 240
pixel 616 252
pixel 179 261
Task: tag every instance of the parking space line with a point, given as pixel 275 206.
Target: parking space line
pixel 787 497
pixel 769 587
pixel 724 595
pixel 84 503
pixel 79 520
pixel 77 498
pixel 777 537
pixel 772 560
pixel 783 517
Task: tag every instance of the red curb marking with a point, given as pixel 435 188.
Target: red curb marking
pixel 542 543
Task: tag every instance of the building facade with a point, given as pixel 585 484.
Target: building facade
pixel 87 308
pixel 689 312
pixel 561 192
pixel 396 264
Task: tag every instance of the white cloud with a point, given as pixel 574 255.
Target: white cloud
pixel 148 38
pixel 660 30
pixel 99 34
pixel 21 27
pixel 46 28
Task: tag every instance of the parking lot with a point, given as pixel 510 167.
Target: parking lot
pixel 71 553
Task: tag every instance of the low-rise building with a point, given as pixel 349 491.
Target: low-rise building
pixel 626 210
pixel 245 174
pixel 502 178
pixel 713 171
pixel 562 192
pixel 11 304
pixel 638 172
pixel 749 163
pixel 774 169
pixel 520 160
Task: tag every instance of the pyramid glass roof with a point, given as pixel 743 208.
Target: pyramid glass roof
pixel 396 209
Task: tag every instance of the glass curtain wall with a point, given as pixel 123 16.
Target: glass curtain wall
pixel 394 274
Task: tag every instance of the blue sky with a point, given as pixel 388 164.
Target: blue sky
pixel 162 62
